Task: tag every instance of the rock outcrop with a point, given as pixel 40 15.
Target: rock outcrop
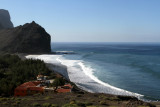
pixel 30 38
pixel 5 21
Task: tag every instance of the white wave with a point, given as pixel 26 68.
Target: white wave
pixel 88 71
pixel 87 81
pixel 46 58
pixel 83 76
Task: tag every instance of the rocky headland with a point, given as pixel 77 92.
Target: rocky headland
pixel 30 38
pixel 5 20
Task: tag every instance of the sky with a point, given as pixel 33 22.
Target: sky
pixel 90 20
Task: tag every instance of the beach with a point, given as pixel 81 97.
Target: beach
pixel 83 80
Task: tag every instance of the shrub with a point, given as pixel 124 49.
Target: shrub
pixel 14 104
pixel 93 106
pixel 48 97
pixel 46 105
pixel 102 97
pixel 79 95
pixel 13 98
pixel 143 106
pixel 70 105
pixel 88 103
pixel 36 105
pixel 3 99
pixel 54 105
pixel 113 106
pixel 58 82
pixel 73 102
pixel 102 102
pixel 18 99
pixel 17 102
pixel 80 104
pixel 66 98
pixel 5 103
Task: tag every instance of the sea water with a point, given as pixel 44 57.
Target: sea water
pixel 116 68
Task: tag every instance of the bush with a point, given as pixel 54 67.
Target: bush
pixel 93 106
pixel 46 105
pixel 70 105
pixel 36 105
pixel 80 104
pixel 73 102
pixel 88 103
pixel 54 105
pixel 17 102
pixel 4 103
pixel 102 102
pixel 58 82
pixel 3 99
pixel 48 97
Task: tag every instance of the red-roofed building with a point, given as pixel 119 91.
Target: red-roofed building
pixel 64 89
pixel 28 88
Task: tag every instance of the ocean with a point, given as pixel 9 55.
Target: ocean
pixel 131 69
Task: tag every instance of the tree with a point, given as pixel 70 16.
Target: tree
pixel 58 82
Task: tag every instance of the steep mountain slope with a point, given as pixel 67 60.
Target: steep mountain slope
pixel 29 38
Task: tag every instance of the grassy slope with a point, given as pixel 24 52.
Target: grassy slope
pixel 73 100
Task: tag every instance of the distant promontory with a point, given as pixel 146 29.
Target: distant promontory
pixel 5 20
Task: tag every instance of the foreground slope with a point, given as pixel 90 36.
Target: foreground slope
pixel 30 38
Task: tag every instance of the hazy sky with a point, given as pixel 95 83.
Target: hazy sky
pixel 90 20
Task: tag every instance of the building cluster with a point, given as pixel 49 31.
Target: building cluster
pixel 41 85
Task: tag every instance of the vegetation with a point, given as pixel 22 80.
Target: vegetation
pixel 70 105
pixel 58 82
pixel 48 97
pixel 14 71
pixel 46 105
pixel 36 104
pixel 59 100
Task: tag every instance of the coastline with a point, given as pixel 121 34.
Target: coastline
pixel 62 70
pixel 82 77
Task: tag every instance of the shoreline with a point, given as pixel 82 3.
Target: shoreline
pixel 58 69
pixel 62 70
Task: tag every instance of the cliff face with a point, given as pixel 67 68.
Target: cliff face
pixel 29 38
pixel 5 21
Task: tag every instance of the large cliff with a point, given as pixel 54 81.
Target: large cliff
pixel 5 21
pixel 29 38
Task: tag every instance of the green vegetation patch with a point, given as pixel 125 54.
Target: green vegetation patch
pixel 46 105
pixel 70 105
pixel 48 97
pixel 36 104
pixel 14 71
